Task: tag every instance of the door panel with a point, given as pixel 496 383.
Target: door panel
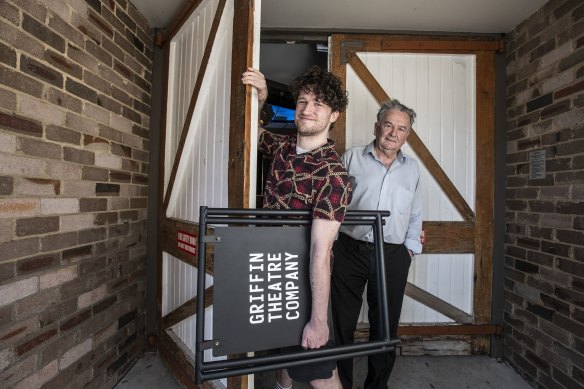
pixel 213 41
pixel 440 78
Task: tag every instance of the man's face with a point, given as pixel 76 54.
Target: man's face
pixel 392 132
pixel 312 117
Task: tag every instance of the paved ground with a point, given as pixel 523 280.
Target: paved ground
pixel 460 372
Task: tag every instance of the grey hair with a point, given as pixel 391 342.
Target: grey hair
pixel 395 104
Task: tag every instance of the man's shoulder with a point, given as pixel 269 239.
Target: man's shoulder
pixel 411 161
pixel 356 150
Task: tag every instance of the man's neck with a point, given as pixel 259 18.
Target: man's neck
pixel 386 157
pixel 311 143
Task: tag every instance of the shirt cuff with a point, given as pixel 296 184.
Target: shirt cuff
pixel 414 245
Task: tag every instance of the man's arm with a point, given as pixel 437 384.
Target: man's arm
pixel 414 233
pixel 257 80
pixel 316 331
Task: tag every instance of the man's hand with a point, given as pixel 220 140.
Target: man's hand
pixel 256 79
pixel 315 335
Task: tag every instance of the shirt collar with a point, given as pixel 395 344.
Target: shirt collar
pixel 401 156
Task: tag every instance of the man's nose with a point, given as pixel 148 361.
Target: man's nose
pixel 309 107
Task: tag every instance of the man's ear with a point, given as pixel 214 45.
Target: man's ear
pixel 334 116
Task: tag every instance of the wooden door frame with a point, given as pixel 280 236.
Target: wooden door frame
pixel 175 355
pixel 475 233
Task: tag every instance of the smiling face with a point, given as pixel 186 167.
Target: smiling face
pixel 313 117
pixel 392 131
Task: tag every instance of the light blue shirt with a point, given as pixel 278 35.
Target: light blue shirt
pixel 396 189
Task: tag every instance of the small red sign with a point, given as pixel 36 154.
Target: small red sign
pixel 186 242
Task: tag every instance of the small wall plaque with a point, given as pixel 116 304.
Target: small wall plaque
pixel 537 165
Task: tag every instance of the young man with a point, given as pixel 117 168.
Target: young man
pixel 307 173
pixel 383 178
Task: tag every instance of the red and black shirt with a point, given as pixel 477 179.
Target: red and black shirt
pixel 316 180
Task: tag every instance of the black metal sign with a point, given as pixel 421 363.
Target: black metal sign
pixel 261 289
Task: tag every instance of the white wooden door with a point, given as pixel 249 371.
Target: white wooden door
pixel 202 136
pixel 449 82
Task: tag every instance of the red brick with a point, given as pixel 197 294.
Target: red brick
pixel 76 254
pixel 75 320
pixel 6 271
pixel 112 19
pixel 125 19
pixel 110 133
pixel 37 303
pixel 117 176
pixel 63 135
pixel 20 125
pixel 65 100
pixel 38 70
pixel 82 58
pixel 41 32
pixel 99 53
pixel 20 82
pixel 97 82
pixel 100 23
pixel 114 49
pixel 92 235
pixel 39 148
pixel 19 248
pixel 78 156
pixel 37 225
pixel 109 104
pixel 6 185
pixel 104 218
pixel 10 13
pixel 18 330
pixel 80 90
pixel 7 55
pixel 42 262
pixel 59 241
pixel 95 174
pixel 93 205
pixel 121 96
pixel 65 29
pixel 55 313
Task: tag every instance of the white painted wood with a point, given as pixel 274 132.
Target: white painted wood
pixel 202 172
pixel 441 89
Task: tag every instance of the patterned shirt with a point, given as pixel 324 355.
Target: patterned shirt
pixel 316 180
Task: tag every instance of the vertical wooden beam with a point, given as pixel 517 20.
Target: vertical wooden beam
pixel 339 131
pixel 485 189
pixel 240 121
pixel 240 115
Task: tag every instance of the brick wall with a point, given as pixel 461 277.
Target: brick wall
pixel 74 119
pixel 544 261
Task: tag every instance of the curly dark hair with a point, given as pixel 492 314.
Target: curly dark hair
pixel 327 87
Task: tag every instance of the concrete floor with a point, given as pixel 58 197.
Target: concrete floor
pixel 419 372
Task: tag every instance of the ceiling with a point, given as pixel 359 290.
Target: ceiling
pixel 469 16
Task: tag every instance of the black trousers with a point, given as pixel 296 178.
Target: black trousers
pixel 353 266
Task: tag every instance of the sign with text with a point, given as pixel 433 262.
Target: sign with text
pixel 261 288
pixel 186 242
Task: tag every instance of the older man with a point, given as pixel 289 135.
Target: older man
pixel 383 178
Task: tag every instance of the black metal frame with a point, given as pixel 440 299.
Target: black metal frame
pixel 247 365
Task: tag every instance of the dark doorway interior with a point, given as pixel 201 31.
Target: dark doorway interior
pixel 281 63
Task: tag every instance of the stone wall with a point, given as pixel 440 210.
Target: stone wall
pixel 544 261
pixel 74 128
